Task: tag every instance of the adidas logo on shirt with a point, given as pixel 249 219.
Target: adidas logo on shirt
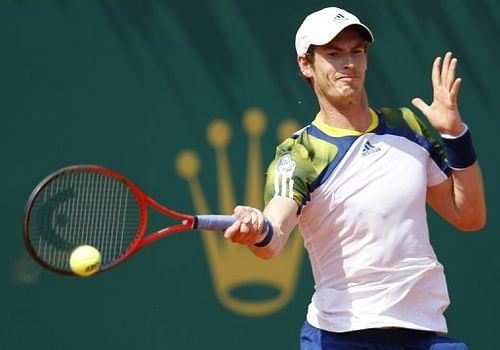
pixel 368 149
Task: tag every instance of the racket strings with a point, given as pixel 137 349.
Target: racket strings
pixel 79 208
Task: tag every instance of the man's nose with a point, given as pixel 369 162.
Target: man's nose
pixel 348 62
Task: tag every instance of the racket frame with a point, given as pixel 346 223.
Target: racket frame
pixel 187 222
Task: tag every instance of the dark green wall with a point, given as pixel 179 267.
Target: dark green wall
pixel 130 84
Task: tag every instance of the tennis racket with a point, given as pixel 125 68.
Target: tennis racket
pixel 92 205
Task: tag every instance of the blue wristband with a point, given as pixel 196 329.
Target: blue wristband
pixel 459 150
pixel 269 236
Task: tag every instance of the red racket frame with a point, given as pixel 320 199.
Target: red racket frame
pixel 187 222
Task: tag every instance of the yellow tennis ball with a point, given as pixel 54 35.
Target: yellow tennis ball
pixel 85 260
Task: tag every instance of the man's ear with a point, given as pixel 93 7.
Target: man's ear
pixel 305 66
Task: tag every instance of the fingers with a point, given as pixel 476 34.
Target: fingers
pixel 444 71
pixel 445 68
pixel 443 112
pixel 436 76
pixel 248 228
pixel 448 70
pixel 420 104
pixel 454 89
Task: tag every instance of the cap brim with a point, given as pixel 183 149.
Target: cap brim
pixel 365 31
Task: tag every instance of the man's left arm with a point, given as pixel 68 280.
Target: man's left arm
pixel 460 199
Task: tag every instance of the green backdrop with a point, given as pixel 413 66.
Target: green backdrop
pixel 132 84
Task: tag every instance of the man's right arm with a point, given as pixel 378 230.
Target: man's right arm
pixel 250 228
pixel 281 212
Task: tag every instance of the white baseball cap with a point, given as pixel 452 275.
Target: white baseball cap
pixel 320 27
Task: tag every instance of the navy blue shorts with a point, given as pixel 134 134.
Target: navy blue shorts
pixel 312 338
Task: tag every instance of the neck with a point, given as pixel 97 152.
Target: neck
pixel 351 114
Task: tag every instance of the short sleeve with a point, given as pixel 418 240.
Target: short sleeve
pixel 290 173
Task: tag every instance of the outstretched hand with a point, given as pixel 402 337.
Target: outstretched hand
pixel 443 112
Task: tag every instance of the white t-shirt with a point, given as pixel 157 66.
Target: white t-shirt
pixel 363 221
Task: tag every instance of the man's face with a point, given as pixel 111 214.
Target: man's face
pixel 338 71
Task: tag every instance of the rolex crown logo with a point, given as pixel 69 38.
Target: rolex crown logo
pixel 243 283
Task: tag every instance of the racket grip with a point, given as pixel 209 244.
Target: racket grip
pixel 214 222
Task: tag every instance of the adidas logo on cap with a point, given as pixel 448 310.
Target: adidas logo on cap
pixel 340 16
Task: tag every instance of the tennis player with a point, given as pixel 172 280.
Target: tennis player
pixel 356 180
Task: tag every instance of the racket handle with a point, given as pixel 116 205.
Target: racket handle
pixel 214 222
